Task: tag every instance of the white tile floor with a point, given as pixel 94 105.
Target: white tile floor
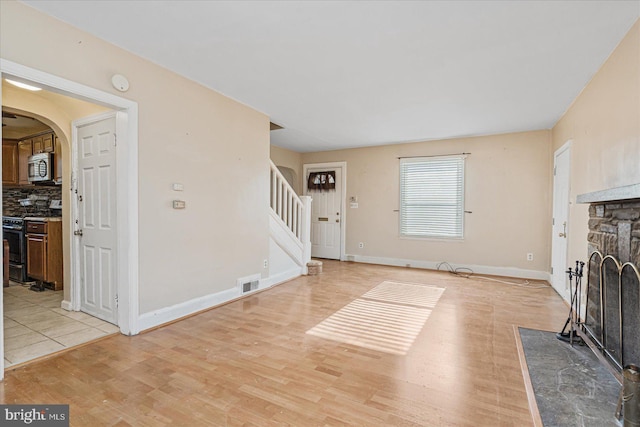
pixel 35 325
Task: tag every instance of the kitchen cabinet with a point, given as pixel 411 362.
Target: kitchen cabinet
pixel 9 162
pixel 57 160
pixel 47 143
pixel 25 149
pixel 38 145
pixel 43 143
pixel 15 158
pixel 44 251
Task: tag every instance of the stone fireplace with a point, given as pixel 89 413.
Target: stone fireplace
pixel 612 314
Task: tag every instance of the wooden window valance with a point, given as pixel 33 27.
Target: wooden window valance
pixel 322 181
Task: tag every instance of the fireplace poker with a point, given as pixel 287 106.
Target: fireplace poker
pixel 575 301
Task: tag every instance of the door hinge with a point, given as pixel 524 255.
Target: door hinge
pixel 115 140
pixel 554 171
pixel 553 221
pixel 551 270
pixel 116 300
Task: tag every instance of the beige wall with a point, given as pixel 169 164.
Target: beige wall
pixel 187 134
pixel 507 181
pixel 604 125
pixel 289 159
pixel 58 112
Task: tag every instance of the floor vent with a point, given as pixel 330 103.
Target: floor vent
pixel 249 283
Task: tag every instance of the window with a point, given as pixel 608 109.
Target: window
pixel 432 197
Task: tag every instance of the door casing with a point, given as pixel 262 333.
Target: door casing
pixel 127 188
pixel 560 248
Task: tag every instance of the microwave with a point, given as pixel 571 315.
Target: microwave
pixel 40 167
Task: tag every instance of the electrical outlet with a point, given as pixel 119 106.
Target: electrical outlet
pixel 530 256
pixel 361 245
pixel 265 263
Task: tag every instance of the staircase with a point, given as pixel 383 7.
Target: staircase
pixel 289 230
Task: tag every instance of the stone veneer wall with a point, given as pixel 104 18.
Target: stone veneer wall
pixel 614 229
pixel 11 205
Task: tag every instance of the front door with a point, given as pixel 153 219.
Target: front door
pixel 562 162
pixel 96 187
pixel 326 217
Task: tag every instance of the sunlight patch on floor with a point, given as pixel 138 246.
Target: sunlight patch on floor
pixel 388 318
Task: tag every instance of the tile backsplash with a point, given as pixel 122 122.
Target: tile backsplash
pixel 11 205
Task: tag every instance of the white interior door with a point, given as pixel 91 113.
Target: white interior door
pixel 561 179
pixel 96 218
pixel 326 217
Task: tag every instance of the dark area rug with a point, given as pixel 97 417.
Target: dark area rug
pixel 571 386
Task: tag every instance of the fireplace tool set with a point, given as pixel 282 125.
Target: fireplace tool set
pixel 568 332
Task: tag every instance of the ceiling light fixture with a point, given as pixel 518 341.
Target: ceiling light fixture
pixel 23 85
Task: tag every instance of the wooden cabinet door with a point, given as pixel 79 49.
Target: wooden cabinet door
pixel 57 160
pixel 9 163
pixel 38 144
pixel 37 256
pixel 25 149
pixel 47 143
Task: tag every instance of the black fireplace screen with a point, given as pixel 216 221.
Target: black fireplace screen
pixel 612 315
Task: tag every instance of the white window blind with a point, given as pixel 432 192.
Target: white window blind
pixel 432 197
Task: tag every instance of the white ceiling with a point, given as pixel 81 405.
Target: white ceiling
pixel 361 73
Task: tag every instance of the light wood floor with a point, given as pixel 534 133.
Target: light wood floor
pixel 250 363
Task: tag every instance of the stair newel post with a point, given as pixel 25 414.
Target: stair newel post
pixel 306 231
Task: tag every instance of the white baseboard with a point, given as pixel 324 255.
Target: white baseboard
pixel 174 312
pixel 433 265
pixel 177 311
pixel 280 277
pixel 66 305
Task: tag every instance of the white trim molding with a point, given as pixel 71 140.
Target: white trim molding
pixel 186 308
pixel 433 265
pixel 178 311
pixel 127 185
pixel 279 278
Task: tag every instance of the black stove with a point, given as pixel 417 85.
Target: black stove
pixel 13 231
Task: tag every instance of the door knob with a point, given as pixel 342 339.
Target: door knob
pixel 78 232
pixel 564 230
pixel 337 220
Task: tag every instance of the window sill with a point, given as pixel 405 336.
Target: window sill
pixel 434 239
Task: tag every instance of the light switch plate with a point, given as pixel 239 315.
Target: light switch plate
pixel 179 204
pixel 177 186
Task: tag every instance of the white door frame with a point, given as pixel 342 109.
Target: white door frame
pixel 343 205
pixel 127 187
pixel 565 147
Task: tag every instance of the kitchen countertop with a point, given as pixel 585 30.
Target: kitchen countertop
pixel 43 218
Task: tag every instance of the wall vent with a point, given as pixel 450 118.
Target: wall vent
pixel 248 284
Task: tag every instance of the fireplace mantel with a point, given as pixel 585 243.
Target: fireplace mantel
pixel 628 192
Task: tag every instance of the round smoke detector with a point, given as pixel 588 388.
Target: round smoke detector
pixel 120 82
